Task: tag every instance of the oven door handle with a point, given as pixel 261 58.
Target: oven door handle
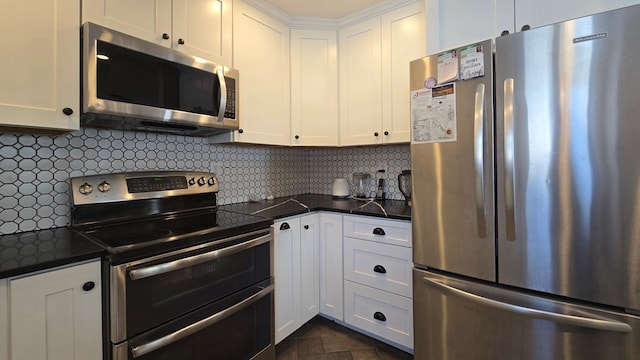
pixel 154 270
pixel 154 345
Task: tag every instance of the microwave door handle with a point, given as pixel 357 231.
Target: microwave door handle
pixel 223 93
pixel 154 345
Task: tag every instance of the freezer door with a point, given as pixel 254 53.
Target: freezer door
pixel 568 135
pixel 452 211
pixel 459 319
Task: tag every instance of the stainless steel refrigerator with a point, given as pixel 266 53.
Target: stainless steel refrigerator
pixel 526 214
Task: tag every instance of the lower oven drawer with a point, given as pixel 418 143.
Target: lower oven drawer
pixel 237 327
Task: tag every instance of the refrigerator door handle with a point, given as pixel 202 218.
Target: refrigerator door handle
pixel 509 186
pixel 478 152
pixel 592 323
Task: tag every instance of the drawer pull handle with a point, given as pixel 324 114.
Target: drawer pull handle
pixel 379 316
pixel 379 231
pixel 285 226
pixel 380 269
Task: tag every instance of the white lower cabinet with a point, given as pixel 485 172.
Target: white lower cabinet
pixel 377 278
pixel 4 320
pixel 55 315
pixel 296 272
pixel 331 274
pixel 382 313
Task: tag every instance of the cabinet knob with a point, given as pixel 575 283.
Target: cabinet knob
pixel 504 33
pixel 67 111
pixel 379 269
pixel 379 231
pixel 297 137
pixel 240 131
pixel 165 36
pixel 386 133
pixel 285 226
pixel 181 41
pixel 379 316
pixel 525 27
pixel 88 286
pixel 375 133
pixel 306 227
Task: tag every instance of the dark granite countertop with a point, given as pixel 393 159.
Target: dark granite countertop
pixel 294 205
pixel 26 252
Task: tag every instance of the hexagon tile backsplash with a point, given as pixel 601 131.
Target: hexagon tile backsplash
pixel 34 182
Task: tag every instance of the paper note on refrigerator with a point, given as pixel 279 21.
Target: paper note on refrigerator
pixel 448 66
pixel 433 114
pixel 471 62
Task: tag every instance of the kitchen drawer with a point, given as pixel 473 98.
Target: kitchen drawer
pixel 381 313
pixel 396 232
pixel 382 266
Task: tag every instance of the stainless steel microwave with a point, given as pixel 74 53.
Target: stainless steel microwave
pixel 133 84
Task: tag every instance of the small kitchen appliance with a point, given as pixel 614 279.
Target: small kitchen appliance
pixel 404 184
pixel 361 184
pixel 340 188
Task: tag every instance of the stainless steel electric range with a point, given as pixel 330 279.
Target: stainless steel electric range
pixel 183 279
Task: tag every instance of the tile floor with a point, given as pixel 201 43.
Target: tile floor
pixel 322 339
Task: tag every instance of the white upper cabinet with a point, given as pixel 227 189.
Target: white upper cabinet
pixel 374 76
pixel 452 23
pixel 40 65
pixel 544 12
pixel 261 54
pixel 314 87
pixel 402 41
pixel 198 27
pixel 361 83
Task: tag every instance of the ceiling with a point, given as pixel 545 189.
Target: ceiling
pixel 329 9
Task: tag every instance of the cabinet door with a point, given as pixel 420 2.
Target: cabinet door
pixel 539 13
pixel 360 84
pixel 205 29
pixel 286 270
pixel 40 65
pixel 144 19
pixel 452 23
pixel 331 277
pixel 261 53
pixel 4 320
pixel 53 317
pixel 314 88
pixel 402 42
pixel 309 267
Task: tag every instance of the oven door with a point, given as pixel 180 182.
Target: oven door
pixel 150 292
pixel 237 327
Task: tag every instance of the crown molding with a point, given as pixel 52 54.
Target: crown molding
pixel 324 23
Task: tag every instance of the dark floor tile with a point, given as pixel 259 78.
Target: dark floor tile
pixel 311 345
pixel 367 354
pixel 388 352
pixel 287 350
pixel 341 340
pixel 345 355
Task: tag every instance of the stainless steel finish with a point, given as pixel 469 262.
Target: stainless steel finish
pixel 155 270
pixel 154 345
pixel 223 93
pixel 107 113
pixel 479 120
pixel 464 320
pixel 575 146
pixel 118 305
pixel 509 187
pixel 581 321
pixel 444 182
pixel 118 186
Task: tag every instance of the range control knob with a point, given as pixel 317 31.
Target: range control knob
pixel 201 181
pixel 104 186
pixel 85 189
pixel 192 181
pixel 211 181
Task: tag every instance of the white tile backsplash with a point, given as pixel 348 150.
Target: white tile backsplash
pixel 35 169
